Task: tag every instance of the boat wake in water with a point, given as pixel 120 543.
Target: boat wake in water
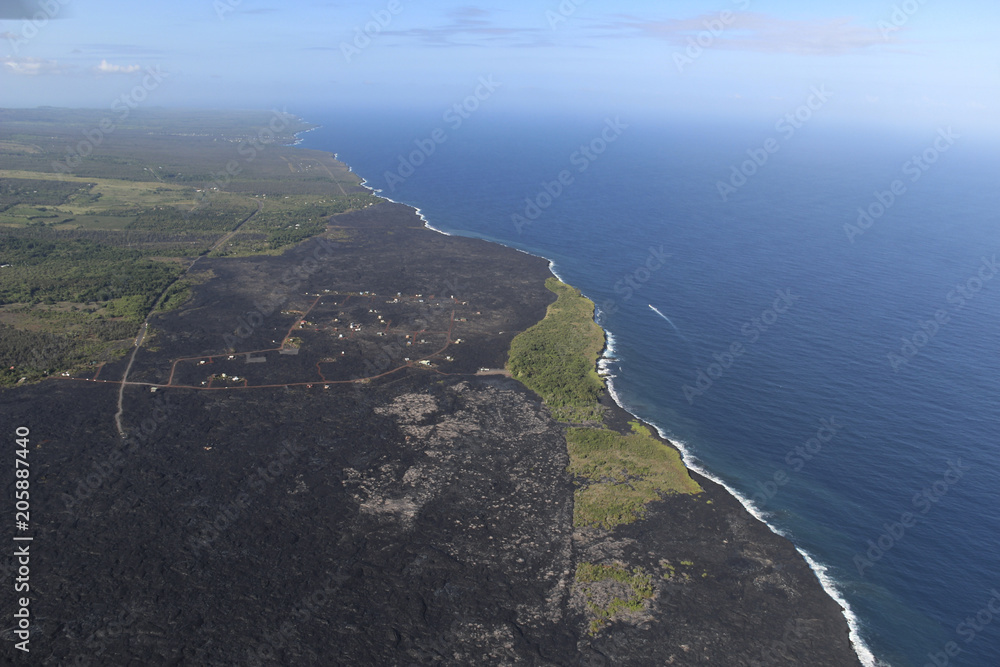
pixel 655 310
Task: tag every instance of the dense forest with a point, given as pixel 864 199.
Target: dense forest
pixel 33 355
pixel 79 271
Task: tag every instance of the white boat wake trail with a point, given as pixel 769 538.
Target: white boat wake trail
pixel 655 310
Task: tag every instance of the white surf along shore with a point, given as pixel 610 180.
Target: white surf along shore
pixel 606 365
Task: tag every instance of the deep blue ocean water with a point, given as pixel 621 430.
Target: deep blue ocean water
pixel 894 490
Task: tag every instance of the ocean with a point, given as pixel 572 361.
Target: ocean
pixel 812 314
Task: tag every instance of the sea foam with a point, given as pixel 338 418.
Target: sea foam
pixel 828 583
pixel 691 461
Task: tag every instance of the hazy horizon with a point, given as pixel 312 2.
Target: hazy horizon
pixel 899 65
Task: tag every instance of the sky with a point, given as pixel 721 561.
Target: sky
pixel 882 62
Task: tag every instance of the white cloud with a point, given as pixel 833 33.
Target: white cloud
pixel 107 68
pixel 31 66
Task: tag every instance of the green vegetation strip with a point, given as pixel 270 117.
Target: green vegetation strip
pixel 617 475
pixel 557 358
pixel 620 474
pixel 606 600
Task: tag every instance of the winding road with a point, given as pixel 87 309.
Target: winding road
pixel 145 325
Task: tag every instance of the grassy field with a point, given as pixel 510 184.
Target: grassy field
pixel 101 230
pixel 619 475
pixel 557 358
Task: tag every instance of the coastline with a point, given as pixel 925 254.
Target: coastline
pixel 692 463
pixel 434 505
pixel 690 460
